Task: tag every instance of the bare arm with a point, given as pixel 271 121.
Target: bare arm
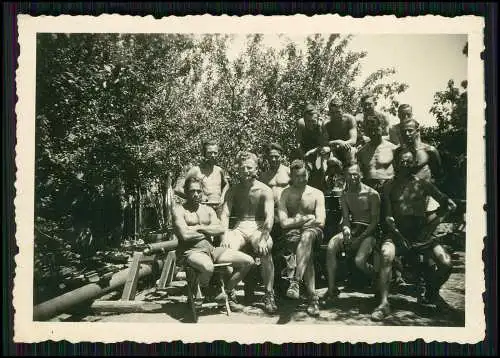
pixel 182 230
pixel 320 211
pixel 435 164
pixel 268 210
pixel 225 185
pixel 345 212
pixel 299 134
pixel 226 209
pixel 353 132
pixel 214 228
pixel 374 216
pixel 287 222
pixel 446 204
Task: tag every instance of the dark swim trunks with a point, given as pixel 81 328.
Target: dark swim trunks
pixel 290 240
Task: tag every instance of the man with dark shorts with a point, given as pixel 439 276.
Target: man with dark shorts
pixel 360 219
pixel 195 225
pixel 410 234
pixel 302 218
pixel 340 133
pixel 214 178
pixel 277 177
pixel 251 203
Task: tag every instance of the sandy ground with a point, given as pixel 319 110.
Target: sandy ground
pixel 352 308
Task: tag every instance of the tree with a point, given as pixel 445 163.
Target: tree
pixel 450 135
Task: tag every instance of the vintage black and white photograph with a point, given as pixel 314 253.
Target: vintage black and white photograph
pixel 253 178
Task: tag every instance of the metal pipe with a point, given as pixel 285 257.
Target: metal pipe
pixel 159 246
pixel 60 304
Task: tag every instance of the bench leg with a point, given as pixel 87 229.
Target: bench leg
pixel 226 300
pixel 193 291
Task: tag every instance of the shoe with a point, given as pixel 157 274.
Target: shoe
pixel 380 312
pixel 233 301
pixel 269 303
pixel 220 298
pixel 313 308
pixel 293 291
pixel 330 297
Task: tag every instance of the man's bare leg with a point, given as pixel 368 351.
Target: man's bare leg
pixel 387 254
pixel 303 255
pixel 334 246
pixel 364 252
pixel 203 264
pixel 310 283
pixel 241 262
pixel 435 279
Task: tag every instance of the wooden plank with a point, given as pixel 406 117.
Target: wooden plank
pixel 125 306
pixel 170 264
pixel 130 288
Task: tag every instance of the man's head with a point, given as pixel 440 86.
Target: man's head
pixel 373 127
pixel 405 112
pixel 247 165
pixel 353 175
pixel 334 167
pixel 210 151
pixel 298 173
pixel 273 154
pixel 193 189
pixel 410 130
pixel 334 107
pixel 310 115
pixel 368 103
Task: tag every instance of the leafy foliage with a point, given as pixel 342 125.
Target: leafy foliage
pixel 116 112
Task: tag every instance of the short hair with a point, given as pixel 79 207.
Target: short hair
pixel 334 163
pixel 208 142
pixel 245 155
pixel 358 169
pixel 297 164
pixel 190 180
pixel 334 102
pixel 367 95
pixel 273 146
pixel 411 120
pixel 405 107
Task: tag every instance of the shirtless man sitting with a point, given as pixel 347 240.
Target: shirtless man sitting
pixel 214 178
pixel 360 218
pixel 340 133
pixel 410 234
pixel 251 202
pixel 277 177
pixel 302 216
pixel 195 224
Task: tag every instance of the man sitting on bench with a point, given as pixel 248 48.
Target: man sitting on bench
pixel 360 218
pixel 251 202
pixel 302 216
pixel 195 224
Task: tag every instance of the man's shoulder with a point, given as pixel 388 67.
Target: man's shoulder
pixel 388 144
pixel 262 186
pixel 300 122
pixel 314 191
pixel 346 117
pixel 428 147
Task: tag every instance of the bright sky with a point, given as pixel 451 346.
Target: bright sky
pixel 424 62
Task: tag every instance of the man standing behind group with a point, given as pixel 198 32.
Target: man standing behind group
pixel 368 104
pixel 360 218
pixel 309 135
pixel 340 133
pixel 375 158
pixel 302 216
pixel 277 177
pixel 405 113
pixel 214 178
pixel 251 203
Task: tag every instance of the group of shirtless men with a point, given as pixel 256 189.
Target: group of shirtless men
pixel 386 200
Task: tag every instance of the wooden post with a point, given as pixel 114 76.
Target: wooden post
pixel 133 276
pixel 167 274
pixel 141 224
